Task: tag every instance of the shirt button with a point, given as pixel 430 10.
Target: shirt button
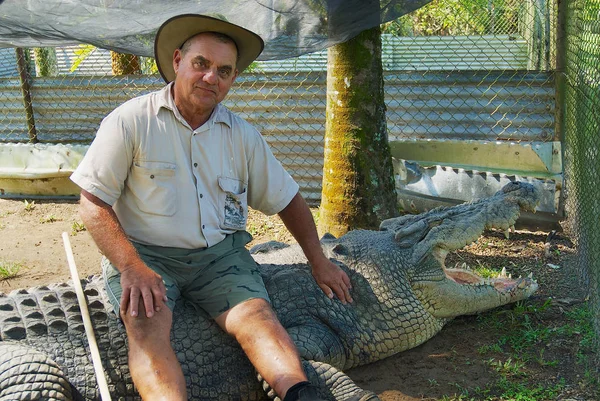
pixel 203 226
pixel 201 196
pixel 195 164
pixel 152 176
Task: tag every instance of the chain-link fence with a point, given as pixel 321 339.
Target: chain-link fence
pixel 458 36
pixel 582 139
pixel 456 71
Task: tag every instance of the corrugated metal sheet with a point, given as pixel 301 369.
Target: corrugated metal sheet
pixel 428 53
pixel 12 113
pixel 435 53
pixel 69 109
pixel 98 62
pixel 478 105
pixel 8 63
pixel 289 110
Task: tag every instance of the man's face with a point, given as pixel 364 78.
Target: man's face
pixel 205 72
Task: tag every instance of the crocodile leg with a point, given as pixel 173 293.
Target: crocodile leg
pixel 335 384
pixel 321 349
pixel 27 374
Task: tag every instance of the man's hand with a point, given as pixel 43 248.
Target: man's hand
pixel 332 279
pixel 137 279
pixel 141 281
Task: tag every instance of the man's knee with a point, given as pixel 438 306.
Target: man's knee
pixel 249 316
pixel 142 329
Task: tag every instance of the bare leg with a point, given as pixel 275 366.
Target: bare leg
pixel 266 343
pixel 155 370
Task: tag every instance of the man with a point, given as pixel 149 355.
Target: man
pixel 166 186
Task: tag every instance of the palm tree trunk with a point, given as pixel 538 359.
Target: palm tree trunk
pixel 124 64
pixel 358 181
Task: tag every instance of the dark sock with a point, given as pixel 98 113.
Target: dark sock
pixel 292 393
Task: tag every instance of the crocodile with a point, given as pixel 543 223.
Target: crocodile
pixel 403 295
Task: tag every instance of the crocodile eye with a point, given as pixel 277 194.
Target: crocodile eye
pixel 340 249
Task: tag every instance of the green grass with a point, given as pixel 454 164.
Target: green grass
pixel 29 206
pixel 523 331
pixel 508 367
pixel 527 391
pixel 485 271
pixel 77 227
pixel 48 219
pixel 260 227
pixel 507 389
pixel 9 269
pixel 586 354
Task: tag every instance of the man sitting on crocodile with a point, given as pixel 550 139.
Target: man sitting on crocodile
pixel 166 186
pixel 403 294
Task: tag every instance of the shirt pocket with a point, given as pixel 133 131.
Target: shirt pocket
pixel 233 203
pixel 153 186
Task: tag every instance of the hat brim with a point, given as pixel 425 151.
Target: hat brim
pixel 176 30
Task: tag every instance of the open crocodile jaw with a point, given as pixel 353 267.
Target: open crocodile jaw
pixel 502 283
pixel 460 291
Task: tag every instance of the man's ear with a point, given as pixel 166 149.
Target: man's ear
pixel 177 56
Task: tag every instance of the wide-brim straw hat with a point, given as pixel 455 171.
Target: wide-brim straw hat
pixel 176 30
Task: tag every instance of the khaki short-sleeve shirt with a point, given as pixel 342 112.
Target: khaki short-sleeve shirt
pixel 173 186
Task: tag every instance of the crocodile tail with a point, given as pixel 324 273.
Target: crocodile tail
pixel 26 373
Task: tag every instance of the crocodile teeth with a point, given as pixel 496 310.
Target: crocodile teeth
pixel 502 273
pixel 507 233
pixel 530 276
pixel 512 229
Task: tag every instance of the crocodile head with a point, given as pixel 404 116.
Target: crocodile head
pixel 427 238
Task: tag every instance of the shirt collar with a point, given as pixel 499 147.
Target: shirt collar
pixel 219 115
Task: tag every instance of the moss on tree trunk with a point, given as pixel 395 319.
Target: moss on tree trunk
pixel 358 181
pixel 45 61
pixel 124 64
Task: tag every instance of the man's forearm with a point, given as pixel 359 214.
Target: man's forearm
pixel 106 231
pixel 299 221
pixel 330 277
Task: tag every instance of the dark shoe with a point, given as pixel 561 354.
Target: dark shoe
pixel 309 393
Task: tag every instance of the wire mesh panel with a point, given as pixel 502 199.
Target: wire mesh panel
pixel 60 95
pixel 288 108
pixel 455 71
pixel 479 46
pixel 582 137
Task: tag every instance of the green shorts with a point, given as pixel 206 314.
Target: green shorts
pixel 214 279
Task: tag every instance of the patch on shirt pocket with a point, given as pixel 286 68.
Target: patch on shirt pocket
pixel 154 188
pixel 234 203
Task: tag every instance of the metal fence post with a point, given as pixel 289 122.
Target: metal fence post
pixel 560 84
pixel 25 90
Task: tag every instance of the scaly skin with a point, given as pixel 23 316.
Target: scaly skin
pixel 403 295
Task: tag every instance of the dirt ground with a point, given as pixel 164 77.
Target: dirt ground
pixel 451 364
